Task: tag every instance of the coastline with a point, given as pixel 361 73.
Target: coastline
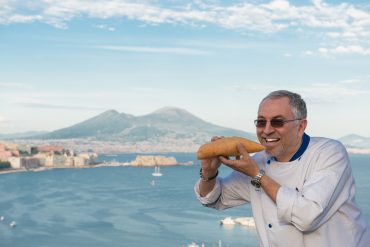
pixel 103 164
pixel 41 169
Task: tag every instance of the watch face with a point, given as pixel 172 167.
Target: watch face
pixel 255 183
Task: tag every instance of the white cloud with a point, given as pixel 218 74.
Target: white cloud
pixel 105 27
pixel 340 50
pixel 146 49
pixel 24 18
pixel 344 50
pixel 100 100
pixel 62 107
pixel 354 81
pixel 332 91
pixel 319 92
pixel 270 17
pixel 341 21
pixel 308 53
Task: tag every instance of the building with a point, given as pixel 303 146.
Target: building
pixel 44 156
pixel 15 162
pixel 51 149
pixel 85 159
pixel 56 160
pixel 29 162
pixel 7 151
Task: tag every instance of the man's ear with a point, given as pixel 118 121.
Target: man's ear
pixel 302 126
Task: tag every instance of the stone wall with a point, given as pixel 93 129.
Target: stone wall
pixel 146 160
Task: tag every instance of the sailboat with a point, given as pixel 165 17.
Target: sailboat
pixel 157 172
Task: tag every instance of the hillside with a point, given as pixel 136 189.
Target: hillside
pixel 167 123
pixel 355 141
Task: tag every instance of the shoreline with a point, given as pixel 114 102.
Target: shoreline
pixel 104 164
pixel 351 151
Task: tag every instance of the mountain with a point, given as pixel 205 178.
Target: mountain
pixel 106 124
pixel 355 141
pixel 165 124
pixel 168 129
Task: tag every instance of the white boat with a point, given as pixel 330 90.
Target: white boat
pixel 246 221
pixel 193 245
pixel 227 221
pixel 157 172
pixel 13 224
pixel 2 218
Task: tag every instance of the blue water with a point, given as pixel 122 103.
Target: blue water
pixel 119 206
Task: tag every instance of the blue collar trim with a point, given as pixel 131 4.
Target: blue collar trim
pixel 302 148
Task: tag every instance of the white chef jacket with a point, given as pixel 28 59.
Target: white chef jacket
pixel 315 205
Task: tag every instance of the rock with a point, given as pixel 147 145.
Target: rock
pixel 146 160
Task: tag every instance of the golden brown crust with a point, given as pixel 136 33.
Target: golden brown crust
pixel 227 147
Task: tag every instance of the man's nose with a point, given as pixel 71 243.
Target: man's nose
pixel 268 129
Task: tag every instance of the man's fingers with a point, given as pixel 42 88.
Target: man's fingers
pixel 214 138
pixel 242 150
pixel 227 161
pixel 212 163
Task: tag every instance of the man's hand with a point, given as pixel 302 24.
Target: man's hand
pixel 244 164
pixel 209 169
pixel 249 167
pixel 210 166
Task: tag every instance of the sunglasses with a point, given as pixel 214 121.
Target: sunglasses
pixel 275 123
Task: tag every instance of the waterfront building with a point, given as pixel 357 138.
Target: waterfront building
pixel 55 160
pixel 15 162
pixel 30 162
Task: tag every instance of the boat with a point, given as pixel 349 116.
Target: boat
pixel 246 221
pixel 2 218
pixel 227 221
pixel 13 224
pixel 157 172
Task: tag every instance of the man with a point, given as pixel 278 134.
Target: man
pixel 301 188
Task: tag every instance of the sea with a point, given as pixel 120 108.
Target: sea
pixel 126 206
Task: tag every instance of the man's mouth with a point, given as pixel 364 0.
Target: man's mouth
pixel 271 140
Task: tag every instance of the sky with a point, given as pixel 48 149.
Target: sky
pixel 62 62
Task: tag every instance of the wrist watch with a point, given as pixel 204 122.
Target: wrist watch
pixel 256 180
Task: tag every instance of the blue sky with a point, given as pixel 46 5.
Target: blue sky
pixel 62 62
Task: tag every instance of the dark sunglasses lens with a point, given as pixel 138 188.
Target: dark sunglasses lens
pixel 277 123
pixel 260 123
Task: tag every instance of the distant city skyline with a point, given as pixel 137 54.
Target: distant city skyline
pixel 62 62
